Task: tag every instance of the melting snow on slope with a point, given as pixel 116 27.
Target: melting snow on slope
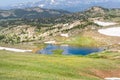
pixel 105 23
pixel 114 31
pixel 14 50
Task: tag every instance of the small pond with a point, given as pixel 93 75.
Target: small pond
pixel 69 50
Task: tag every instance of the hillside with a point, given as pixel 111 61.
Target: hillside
pixel 31 13
pixel 48 16
pixel 38 28
pixel 26 33
pixel 93 12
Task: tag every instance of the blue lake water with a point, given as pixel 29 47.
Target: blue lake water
pixel 70 50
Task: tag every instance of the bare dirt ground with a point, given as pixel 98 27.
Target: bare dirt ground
pixel 104 74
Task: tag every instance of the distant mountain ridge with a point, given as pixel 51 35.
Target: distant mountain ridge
pixel 69 5
pixel 35 12
pixel 48 16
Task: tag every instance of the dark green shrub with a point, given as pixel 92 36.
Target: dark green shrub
pixel 57 52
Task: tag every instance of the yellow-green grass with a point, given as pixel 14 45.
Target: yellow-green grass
pixel 29 66
pixel 79 40
pixel 82 41
pixel 106 55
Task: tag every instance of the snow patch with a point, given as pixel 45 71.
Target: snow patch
pixel 52 1
pixel 114 78
pixel 114 31
pixel 64 35
pixel 14 49
pixel 41 5
pixel 50 42
pixel 105 23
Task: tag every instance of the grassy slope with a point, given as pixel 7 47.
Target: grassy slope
pixel 82 41
pixel 28 66
pixel 79 40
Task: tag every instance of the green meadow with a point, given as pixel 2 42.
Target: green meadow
pixel 31 66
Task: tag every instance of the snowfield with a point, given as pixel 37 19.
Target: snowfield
pixel 114 31
pixel 105 23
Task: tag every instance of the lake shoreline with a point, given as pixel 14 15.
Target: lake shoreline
pixel 69 50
